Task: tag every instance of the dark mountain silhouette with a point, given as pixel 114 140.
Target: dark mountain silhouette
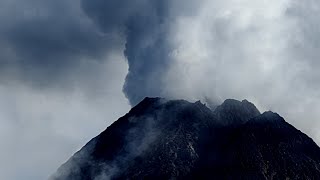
pixel 161 139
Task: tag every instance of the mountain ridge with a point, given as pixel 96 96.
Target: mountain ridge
pixel 176 139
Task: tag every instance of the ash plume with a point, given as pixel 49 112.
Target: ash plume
pixel 262 51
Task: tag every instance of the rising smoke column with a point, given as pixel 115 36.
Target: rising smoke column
pixel 144 26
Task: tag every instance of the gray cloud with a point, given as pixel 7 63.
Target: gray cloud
pixel 41 129
pixel 42 43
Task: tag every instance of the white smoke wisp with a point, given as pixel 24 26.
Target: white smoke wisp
pixel 264 51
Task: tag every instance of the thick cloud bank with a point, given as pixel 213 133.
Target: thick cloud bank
pixel 43 43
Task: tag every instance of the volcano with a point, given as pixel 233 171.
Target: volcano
pixel 176 139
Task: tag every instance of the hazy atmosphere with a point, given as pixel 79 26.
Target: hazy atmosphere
pixel 68 69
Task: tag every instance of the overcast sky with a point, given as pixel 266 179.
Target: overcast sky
pixel 69 68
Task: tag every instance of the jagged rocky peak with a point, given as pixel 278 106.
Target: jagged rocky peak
pixel 236 112
pixel 170 109
pixel 176 139
pixel 229 112
pixel 269 119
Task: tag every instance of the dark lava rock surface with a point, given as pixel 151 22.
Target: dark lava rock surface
pixel 160 139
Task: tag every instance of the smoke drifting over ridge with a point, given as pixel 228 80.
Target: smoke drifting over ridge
pixel 266 51
pixel 195 49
